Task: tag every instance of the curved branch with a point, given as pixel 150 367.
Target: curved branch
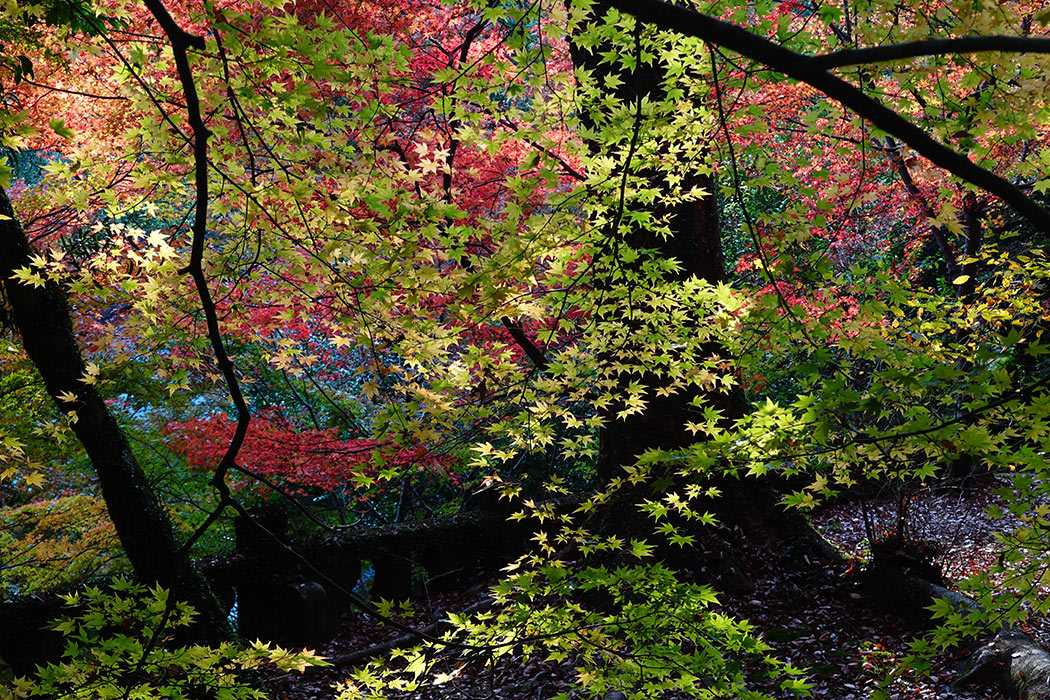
pixel 181 41
pixel 931 47
pixel 802 68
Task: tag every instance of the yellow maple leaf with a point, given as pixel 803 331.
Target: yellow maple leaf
pixel 67 397
pixel 91 373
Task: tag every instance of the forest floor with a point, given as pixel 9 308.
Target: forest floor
pixel 822 623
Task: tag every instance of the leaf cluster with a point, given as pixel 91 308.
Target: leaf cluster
pixel 119 644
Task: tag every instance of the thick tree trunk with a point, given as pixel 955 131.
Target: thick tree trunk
pixel 695 242
pixel 41 316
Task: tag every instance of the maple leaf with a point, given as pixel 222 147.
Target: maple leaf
pixel 25 275
pixel 91 373
pixel 67 397
pixel 34 479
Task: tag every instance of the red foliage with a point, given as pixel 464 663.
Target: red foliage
pixel 298 458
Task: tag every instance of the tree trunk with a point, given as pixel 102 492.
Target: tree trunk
pixel 41 316
pixel 695 242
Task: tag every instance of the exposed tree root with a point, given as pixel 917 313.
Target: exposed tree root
pixel 1014 662
pixel 1006 657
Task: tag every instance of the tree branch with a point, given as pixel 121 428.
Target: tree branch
pixel 180 41
pixel 525 343
pixel 931 47
pixel 802 68
pixel 940 233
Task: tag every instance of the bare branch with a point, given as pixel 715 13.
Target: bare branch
pixel 931 47
pixel 181 41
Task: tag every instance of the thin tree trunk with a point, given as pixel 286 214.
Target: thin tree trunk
pixel 41 316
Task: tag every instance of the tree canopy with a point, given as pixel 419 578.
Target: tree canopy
pixel 638 268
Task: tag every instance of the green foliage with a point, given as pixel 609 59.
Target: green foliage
pixel 34 442
pixel 633 628
pixel 119 644
pixel 901 398
pixel 363 258
pixel 57 543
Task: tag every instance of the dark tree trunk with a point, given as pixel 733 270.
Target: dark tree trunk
pixel 695 242
pixel 41 317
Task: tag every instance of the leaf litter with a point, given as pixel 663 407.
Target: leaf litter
pixel 813 618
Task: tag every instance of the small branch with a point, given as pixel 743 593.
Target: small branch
pixel 525 343
pixel 939 233
pixel 931 47
pixel 432 630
